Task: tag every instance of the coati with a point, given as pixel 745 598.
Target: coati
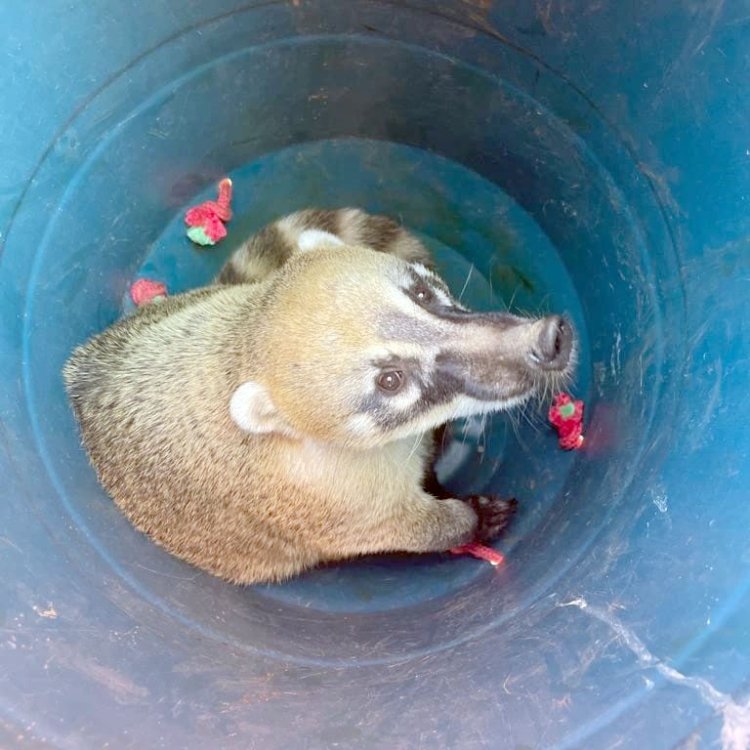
pixel 282 416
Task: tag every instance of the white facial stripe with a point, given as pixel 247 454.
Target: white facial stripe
pixel 311 239
pixel 404 400
pixel 466 406
pixel 428 275
pixel 442 296
pixel 361 424
pixel 423 271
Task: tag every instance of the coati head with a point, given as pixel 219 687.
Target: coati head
pixel 361 348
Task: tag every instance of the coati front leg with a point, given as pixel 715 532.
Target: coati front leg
pixel 422 523
pixel 430 482
pixel 494 513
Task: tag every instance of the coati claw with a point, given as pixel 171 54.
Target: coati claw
pixel 494 514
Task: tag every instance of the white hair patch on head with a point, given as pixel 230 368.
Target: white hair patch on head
pixel 442 296
pixel 361 424
pixel 466 406
pixel 311 239
pixel 422 270
pixel 427 275
pixel 406 399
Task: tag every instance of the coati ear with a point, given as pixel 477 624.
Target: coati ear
pixel 252 410
pixel 311 239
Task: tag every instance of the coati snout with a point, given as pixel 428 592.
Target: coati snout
pixel 365 348
pixel 282 417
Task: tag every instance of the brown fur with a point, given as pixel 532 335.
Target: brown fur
pixel 151 394
pixel 269 249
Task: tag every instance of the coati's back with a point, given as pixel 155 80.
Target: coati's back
pixel 273 421
pixel 147 393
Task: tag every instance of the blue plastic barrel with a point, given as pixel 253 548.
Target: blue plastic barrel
pixel 591 156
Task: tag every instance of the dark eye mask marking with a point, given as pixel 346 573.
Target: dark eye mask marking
pixel 378 407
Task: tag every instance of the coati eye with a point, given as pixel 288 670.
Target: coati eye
pixel 423 294
pixel 390 381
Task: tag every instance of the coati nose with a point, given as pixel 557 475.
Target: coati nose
pixel 554 345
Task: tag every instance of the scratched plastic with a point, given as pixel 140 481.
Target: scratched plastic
pixel 578 155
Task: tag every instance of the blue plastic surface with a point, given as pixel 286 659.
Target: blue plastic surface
pixel 579 155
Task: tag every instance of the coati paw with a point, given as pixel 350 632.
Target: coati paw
pixel 494 515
